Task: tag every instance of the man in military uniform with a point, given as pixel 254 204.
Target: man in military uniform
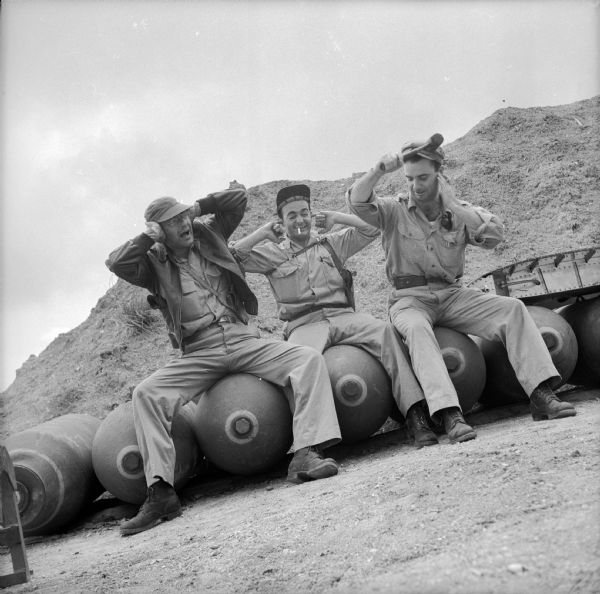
pixel 304 271
pixel 193 278
pixel 424 237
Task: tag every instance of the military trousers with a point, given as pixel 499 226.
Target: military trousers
pixel 414 312
pixel 232 348
pixel 376 337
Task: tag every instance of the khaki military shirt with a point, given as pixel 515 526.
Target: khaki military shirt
pixel 415 246
pixel 309 278
pixel 205 293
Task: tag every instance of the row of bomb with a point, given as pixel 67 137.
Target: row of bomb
pixel 243 424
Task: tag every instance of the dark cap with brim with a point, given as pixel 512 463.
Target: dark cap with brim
pixel 163 209
pixel 426 149
pixel 292 193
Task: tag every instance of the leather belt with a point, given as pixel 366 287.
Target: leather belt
pixel 198 334
pixel 405 282
pixel 312 309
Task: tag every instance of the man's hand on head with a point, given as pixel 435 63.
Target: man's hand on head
pixel 195 210
pixel 274 231
pixel 325 220
pixel 154 231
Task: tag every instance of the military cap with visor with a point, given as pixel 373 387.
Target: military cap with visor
pixel 163 209
pixel 426 149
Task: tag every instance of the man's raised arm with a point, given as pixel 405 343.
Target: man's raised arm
pixel 362 189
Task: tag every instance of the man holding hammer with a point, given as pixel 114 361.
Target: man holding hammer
pixel 424 236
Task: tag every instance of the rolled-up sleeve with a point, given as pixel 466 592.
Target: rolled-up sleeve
pixel 348 242
pixel 484 229
pixel 261 259
pixel 370 211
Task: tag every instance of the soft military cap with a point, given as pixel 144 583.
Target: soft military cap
pixel 427 149
pixel 163 209
pixel 291 193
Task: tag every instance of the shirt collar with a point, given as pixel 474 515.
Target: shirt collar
pixel 412 204
pixel 286 244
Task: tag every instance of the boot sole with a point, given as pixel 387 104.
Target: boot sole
pixel 165 518
pixel 303 476
pixel 563 414
pixel 424 444
pixel 466 437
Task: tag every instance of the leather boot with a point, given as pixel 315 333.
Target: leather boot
pixel 161 503
pixel 546 405
pixel 418 426
pixel 308 464
pixel 455 425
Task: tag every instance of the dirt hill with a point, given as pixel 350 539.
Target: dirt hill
pixel 537 168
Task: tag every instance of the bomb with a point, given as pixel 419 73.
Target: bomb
pixel 361 389
pixel 583 376
pixel 53 470
pixel 502 385
pixel 584 319
pixel 244 424
pixel 116 455
pixel 559 337
pixel 465 364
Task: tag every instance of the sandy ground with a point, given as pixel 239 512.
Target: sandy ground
pixel 516 510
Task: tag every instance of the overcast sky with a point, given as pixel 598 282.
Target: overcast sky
pixel 107 105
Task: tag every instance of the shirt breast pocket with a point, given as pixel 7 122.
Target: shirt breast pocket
pixel 285 282
pixel 213 275
pixel 187 284
pixel 332 276
pixel 451 246
pixel 412 241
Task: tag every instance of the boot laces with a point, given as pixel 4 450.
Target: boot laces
pixel 421 419
pixel 452 418
pixel 158 490
pixel 417 418
pixel 316 450
pixel 546 395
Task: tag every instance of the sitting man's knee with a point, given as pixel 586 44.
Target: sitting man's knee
pixel 307 353
pixel 412 325
pixel 513 306
pixel 141 392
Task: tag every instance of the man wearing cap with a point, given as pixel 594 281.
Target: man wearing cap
pixel 305 271
pixel 200 289
pixel 424 237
